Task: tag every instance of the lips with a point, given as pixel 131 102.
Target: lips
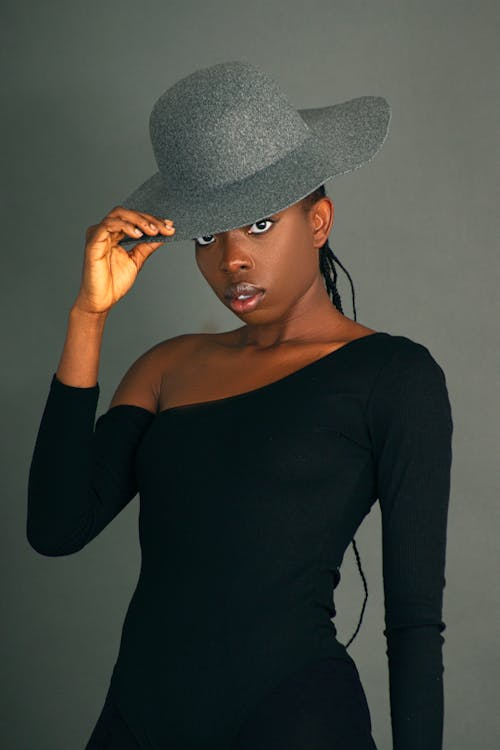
pixel 245 304
pixel 241 288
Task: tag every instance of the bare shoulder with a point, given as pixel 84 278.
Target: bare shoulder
pixel 141 383
pixel 357 330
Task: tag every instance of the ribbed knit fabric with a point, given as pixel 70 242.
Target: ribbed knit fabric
pixel 247 506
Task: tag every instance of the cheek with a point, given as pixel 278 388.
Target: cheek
pixel 203 264
pixel 296 268
pixel 204 270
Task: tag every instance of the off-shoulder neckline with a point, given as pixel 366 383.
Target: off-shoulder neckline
pixel 256 391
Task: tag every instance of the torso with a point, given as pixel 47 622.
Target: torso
pixel 206 367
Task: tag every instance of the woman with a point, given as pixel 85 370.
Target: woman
pixel 257 452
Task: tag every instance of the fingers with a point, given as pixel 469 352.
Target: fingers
pixel 122 221
pixel 144 221
pixel 136 228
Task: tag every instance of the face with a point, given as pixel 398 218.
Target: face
pixel 278 254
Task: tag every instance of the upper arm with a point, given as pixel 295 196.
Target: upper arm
pixel 411 424
pixel 141 384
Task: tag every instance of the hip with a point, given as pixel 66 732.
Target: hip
pixel 320 706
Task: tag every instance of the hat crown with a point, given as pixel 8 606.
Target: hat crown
pixel 220 125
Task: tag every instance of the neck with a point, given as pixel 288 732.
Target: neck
pixel 313 318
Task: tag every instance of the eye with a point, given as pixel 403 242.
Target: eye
pixel 207 239
pixel 262 221
pixel 201 240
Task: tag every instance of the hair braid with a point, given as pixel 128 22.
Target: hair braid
pixel 327 259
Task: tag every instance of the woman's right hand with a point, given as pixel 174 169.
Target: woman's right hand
pixel 109 271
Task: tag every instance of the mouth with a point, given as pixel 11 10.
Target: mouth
pixel 243 296
pixel 246 303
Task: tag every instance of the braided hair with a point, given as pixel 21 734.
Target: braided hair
pixel 327 260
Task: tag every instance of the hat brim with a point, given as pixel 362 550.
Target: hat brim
pixel 344 137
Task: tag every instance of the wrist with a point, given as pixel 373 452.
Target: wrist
pixel 88 316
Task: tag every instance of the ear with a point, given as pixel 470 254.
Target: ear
pixel 322 217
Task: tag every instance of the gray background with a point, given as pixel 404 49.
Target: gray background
pixel 416 230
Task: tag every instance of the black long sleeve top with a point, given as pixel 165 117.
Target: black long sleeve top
pixel 247 505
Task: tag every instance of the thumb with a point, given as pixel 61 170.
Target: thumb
pixel 141 252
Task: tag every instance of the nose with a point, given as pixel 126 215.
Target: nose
pixel 234 254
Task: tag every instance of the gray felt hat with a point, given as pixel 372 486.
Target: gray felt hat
pixel 232 150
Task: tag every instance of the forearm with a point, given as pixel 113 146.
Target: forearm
pixel 79 362
pixel 416 688
pixel 61 498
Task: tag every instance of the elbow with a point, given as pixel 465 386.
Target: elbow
pixel 50 547
pixel 57 528
pixel 414 638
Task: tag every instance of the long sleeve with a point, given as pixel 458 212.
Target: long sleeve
pixel 411 427
pixel 80 477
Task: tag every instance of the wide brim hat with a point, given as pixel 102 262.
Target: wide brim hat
pixel 231 149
